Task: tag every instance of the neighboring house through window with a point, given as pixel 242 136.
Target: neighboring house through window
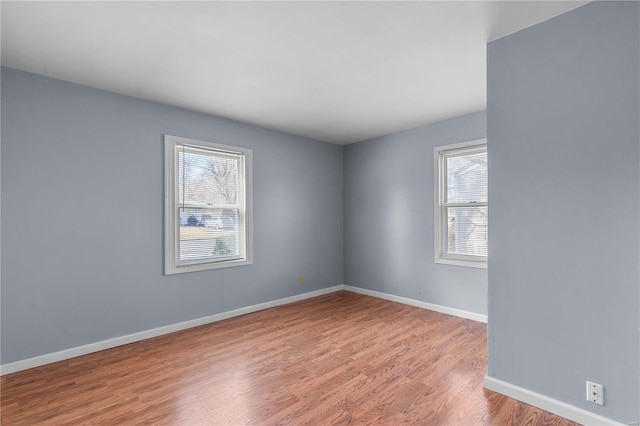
pixel 208 218
pixel 461 203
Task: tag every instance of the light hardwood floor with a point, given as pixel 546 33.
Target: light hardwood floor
pixel 342 358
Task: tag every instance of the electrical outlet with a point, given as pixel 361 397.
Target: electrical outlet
pixel 595 393
pixel 301 279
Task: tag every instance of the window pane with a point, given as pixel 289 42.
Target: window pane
pixel 208 234
pixel 467 178
pixel 467 230
pixel 207 178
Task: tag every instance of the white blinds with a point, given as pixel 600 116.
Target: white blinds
pixel 466 177
pixel 210 204
pixel 465 203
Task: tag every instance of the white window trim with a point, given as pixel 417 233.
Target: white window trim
pixel 171 227
pixel 440 212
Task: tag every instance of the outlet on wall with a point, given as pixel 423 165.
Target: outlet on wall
pixel 301 279
pixel 595 393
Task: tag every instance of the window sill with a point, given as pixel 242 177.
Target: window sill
pixel 206 266
pixel 464 263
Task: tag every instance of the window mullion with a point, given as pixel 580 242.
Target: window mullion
pixel 211 206
pixel 474 204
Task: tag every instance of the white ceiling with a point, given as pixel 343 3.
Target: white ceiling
pixel 339 72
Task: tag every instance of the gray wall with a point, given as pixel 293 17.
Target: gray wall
pixel 82 217
pixel 389 230
pixel 564 170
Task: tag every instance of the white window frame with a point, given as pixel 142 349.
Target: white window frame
pixel 171 206
pixel 440 205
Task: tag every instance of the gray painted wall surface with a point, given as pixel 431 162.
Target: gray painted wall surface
pixel 564 171
pixel 82 217
pixel 389 229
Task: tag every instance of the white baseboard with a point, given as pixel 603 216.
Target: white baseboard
pixel 551 405
pixel 420 304
pixel 529 397
pixel 37 361
pixel 62 355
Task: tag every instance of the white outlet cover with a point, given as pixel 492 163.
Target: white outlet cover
pixel 595 393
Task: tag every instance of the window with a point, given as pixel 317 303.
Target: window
pixel 208 218
pixel 461 207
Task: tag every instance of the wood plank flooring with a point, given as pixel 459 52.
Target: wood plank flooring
pixel 342 358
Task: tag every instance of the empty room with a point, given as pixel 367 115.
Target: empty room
pixel 229 213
